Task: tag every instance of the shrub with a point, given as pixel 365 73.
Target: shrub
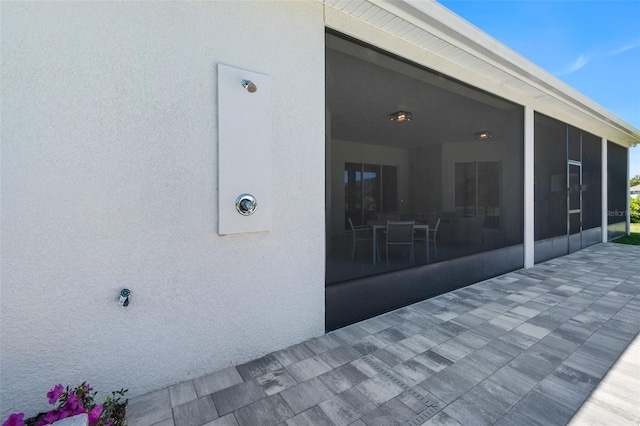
pixel 634 209
pixel 71 402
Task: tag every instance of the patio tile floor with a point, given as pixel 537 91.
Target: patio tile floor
pixel 552 345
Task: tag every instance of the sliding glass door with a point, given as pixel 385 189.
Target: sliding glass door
pixel 369 189
pixel 478 191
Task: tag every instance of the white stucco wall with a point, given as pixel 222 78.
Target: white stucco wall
pixel 109 174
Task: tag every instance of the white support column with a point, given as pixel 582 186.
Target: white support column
pixel 605 200
pixel 628 197
pixel 529 237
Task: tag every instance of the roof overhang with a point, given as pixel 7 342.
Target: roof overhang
pixel 429 34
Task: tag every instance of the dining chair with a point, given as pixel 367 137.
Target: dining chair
pixel 359 233
pixel 434 224
pixel 400 233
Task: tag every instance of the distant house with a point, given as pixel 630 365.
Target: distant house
pixel 634 191
pixel 210 157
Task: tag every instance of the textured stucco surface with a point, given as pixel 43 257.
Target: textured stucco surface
pixel 109 175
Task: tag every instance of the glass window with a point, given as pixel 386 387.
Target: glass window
pixel 370 189
pixel 478 191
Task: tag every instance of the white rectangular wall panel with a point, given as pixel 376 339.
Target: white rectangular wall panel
pixel 244 149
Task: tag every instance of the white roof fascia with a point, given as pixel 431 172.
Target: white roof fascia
pixel 492 59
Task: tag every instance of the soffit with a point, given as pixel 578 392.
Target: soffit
pixel 438 31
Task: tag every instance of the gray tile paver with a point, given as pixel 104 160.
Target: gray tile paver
pixel 554 347
pixel 387 357
pixel 196 412
pixel 447 386
pixel 369 345
pixel 265 412
pixel 293 354
pixel 519 339
pixel 452 350
pixel 276 381
pixel 476 372
pixel 306 395
pixel 589 363
pixel 342 378
pixel 379 389
pixel 515 417
pixel 311 417
pixel 433 361
pixel 490 391
pixel 525 348
pixel 308 368
pixel 390 335
pixel 369 365
pixel 338 356
pixel 391 413
pixel 575 377
pixel 558 390
pixel 441 419
pixel 259 367
pixel 472 411
pixel 532 330
pixel 532 365
pixel 412 402
pixel 543 410
pixel 411 372
pixel 346 407
pixel 228 420
pixel 166 422
pixel 149 409
pixel 513 380
pixel 418 343
pixel 217 381
pixel 182 393
pixel 230 399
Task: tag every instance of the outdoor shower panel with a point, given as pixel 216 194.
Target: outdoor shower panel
pixel 244 151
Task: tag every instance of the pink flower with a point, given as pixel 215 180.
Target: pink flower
pixel 95 414
pixel 14 420
pixel 55 393
pixel 63 414
pixel 51 417
pixel 72 404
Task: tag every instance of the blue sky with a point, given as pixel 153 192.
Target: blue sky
pixel 594 46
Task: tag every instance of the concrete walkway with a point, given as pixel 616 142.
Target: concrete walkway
pixel 540 346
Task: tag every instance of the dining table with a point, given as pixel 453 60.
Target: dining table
pixel 377 226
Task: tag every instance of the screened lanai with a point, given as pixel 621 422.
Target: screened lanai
pixel 406 144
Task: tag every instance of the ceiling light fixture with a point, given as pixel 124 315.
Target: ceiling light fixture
pixel 401 116
pixel 483 135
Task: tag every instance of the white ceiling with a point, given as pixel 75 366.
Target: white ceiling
pixel 363 87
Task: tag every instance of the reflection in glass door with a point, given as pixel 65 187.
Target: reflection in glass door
pixel 369 189
pixel 477 191
pixel 574 203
